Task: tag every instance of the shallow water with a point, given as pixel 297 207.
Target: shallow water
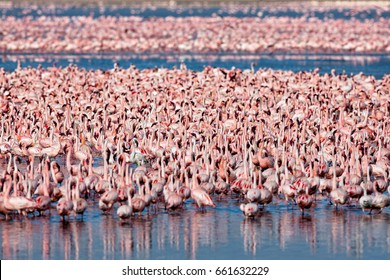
pixel 221 233
pixel 375 64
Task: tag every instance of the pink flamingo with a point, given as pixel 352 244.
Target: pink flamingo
pixel 17 203
pixel 338 196
pixel 200 196
pixel 79 204
pixel 125 211
pixel 249 209
pixel 65 204
pixel 304 201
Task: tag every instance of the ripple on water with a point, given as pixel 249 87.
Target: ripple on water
pixel 222 233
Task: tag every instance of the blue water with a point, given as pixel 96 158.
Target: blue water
pixel 376 65
pixel 205 11
pixel 221 233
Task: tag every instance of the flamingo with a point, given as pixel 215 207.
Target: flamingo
pixel 65 204
pixel 338 196
pixel 304 201
pixel 200 196
pixel 209 185
pixel 221 186
pixel 380 201
pixel 380 185
pixel 265 162
pixel 354 191
pixel 209 142
pixel 108 198
pixel 20 204
pixel 79 204
pixel 56 173
pixel 138 200
pixel 125 211
pixel 4 211
pixel 185 190
pixel 272 181
pixel 365 201
pixel 159 182
pixel 249 209
pixel 265 193
pixel 53 149
pixel 253 194
pixel 138 204
pixel 43 201
pixel 172 199
pixel 288 190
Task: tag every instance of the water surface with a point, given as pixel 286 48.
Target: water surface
pixel 279 232
pixel 375 64
pixel 145 11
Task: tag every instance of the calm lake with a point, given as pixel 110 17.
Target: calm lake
pixel 279 232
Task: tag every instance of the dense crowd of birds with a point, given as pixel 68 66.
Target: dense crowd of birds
pixel 158 138
pixel 86 34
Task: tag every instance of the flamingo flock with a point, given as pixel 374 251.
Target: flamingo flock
pixel 65 34
pixel 134 141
